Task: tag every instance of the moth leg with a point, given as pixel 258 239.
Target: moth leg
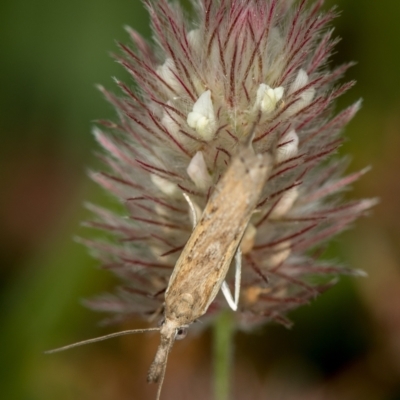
pixel 233 303
pixel 238 274
pixel 193 214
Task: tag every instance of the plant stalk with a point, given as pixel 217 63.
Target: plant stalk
pixel 223 354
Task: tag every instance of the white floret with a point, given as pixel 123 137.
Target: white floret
pixel 202 117
pixel 305 97
pixel 167 187
pixel 267 97
pixel 285 203
pixel 198 172
pixel 287 147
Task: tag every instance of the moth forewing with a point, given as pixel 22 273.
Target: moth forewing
pixel 206 257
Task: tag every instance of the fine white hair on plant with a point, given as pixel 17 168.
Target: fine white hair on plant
pixel 239 70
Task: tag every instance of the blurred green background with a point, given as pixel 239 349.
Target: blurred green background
pixel 346 345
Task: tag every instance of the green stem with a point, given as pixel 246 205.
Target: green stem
pixel 223 354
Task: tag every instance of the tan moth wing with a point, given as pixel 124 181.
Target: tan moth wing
pixel 205 260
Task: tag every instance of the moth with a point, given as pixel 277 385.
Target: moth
pixel 202 266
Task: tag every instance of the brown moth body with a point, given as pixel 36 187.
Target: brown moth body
pixel 207 255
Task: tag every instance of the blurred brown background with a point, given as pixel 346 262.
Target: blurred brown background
pixel 346 345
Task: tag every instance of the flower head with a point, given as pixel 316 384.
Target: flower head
pixel 201 88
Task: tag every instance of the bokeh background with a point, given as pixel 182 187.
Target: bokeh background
pixel 346 345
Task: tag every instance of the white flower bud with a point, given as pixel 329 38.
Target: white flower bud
pixel 285 203
pixel 198 172
pixel 166 72
pixel 195 40
pixel 170 124
pixel 305 97
pixel 281 253
pixel 167 187
pixel 267 98
pixel 300 81
pixel 287 147
pixel 247 243
pixel 202 117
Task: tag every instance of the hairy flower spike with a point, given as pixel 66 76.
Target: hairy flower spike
pixel 240 67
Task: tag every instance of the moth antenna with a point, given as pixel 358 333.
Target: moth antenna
pixel 99 339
